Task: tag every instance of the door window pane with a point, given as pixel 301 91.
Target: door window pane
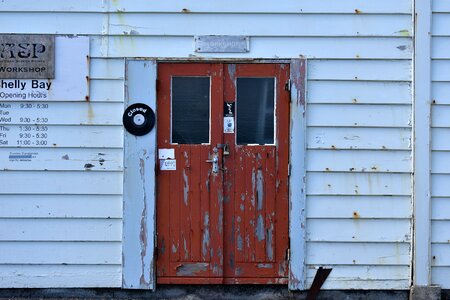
pixel 190 110
pixel 255 110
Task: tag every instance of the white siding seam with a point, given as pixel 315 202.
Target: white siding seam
pixel 193 6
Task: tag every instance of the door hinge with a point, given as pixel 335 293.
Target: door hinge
pixel 288 250
pixel 155 248
pixel 289 169
pixel 287 86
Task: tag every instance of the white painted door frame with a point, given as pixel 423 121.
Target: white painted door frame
pixel 139 229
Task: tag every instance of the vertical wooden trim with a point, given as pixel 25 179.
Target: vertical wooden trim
pixel 297 180
pixel 422 144
pixel 139 183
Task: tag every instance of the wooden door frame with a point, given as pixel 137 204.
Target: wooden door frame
pixel 139 227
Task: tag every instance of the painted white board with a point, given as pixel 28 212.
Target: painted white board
pixel 251 24
pixel 359 138
pixel 228 6
pixel 261 46
pixel 96 230
pixel 363 207
pixel 61 206
pixel 49 182
pixel 77 276
pixel 358 253
pixel 322 183
pixel 358 161
pixel 359 230
pixel 365 92
pixel 359 115
pixel 70 253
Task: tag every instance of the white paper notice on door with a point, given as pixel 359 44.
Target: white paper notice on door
pixel 228 125
pixel 168 164
pixel 166 153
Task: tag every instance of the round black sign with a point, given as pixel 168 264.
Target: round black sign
pixel 138 119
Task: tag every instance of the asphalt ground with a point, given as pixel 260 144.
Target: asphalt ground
pixel 193 292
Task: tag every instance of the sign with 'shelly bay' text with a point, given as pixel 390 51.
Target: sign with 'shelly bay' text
pixel 70 82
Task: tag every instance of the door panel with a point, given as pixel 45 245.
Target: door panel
pixel 256 181
pixel 189 200
pixel 229 226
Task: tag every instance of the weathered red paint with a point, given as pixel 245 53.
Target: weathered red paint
pixel 231 227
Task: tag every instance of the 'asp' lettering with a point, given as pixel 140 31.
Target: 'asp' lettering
pixel 21 50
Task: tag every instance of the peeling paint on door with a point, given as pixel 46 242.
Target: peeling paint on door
pixel 230 221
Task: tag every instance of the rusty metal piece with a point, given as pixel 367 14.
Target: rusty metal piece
pixel 225 147
pixel 319 279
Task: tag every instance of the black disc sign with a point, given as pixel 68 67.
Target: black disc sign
pixel 138 119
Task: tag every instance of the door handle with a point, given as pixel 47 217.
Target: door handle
pixel 215 163
pixel 214 160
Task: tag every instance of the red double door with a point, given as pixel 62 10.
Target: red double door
pixel 222 194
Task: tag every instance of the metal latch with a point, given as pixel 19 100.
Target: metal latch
pixel 226 150
pixel 287 86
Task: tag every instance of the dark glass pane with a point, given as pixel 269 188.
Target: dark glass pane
pixel 255 110
pixel 190 110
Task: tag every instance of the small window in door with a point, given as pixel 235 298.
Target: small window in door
pixel 190 110
pixel 255 111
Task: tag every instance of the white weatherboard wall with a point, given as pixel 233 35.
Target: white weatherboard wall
pixel 440 155
pixel 61 211
pixel 358 126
